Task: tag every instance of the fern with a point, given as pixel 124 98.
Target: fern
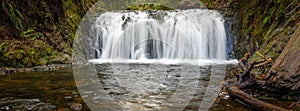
pixel 32 34
pixel 14 14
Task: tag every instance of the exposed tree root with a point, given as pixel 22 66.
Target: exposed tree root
pixel 246 79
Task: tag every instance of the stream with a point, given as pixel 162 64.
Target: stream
pixel 56 90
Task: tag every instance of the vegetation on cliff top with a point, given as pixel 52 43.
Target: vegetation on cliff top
pixel 149 7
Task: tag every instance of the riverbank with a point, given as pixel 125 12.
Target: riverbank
pixel 35 69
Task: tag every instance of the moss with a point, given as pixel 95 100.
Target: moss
pixel 287 97
pixel 265 98
pixel 263 26
pixel 32 38
pixel 149 7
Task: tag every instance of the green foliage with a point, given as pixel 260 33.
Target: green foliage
pixel 249 30
pixel 265 98
pixel 267 35
pixel 149 7
pixel 287 97
pixel 217 4
pixel 14 14
pixel 268 15
pixel 3 47
pixel 2 28
pixel 32 34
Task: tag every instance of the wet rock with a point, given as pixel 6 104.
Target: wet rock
pixel 61 59
pixel 7 71
pixel 24 105
pixel 150 105
pixel 76 107
pixel 68 97
pixel 189 4
pixel 38 68
pixel 224 95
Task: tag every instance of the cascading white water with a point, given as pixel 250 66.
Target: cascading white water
pixel 181 34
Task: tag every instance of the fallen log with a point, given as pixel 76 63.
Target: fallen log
pixel 255 103
pixel 247 79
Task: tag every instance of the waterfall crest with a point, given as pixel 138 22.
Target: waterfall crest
pixel 180 34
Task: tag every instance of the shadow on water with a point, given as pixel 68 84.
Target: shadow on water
pixel 54 87
pixel 58 88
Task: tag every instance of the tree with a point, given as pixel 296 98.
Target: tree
pixel 285 72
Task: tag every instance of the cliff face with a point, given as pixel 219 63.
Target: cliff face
pixel 263 26
pixel 267 27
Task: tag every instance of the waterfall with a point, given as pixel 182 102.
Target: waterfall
pixel 180 34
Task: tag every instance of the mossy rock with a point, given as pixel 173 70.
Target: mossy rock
pixel 149 7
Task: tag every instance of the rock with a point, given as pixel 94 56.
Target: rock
pixel 24 105
pixel 150 105
pixel 188 4
pixel 76 107
pixel 68 97
pixel 224 95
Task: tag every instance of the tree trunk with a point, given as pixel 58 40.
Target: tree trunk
pixel 285 72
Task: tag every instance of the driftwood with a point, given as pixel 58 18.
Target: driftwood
pixel 247 79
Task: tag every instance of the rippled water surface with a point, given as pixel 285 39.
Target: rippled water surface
pixel 132 86
pixel 158 87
